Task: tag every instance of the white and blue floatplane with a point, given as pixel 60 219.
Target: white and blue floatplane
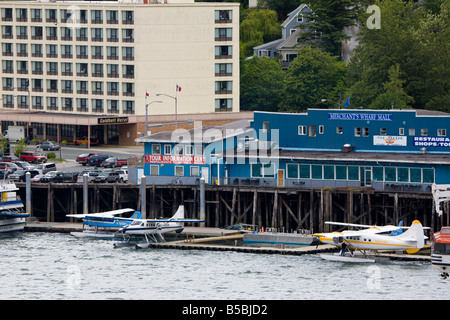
pixel 12 214
pixel 104 224
pixel 152 230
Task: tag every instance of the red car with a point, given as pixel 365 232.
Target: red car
pixel 84 158
pixel 34 157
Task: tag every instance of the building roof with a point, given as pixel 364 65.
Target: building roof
pixel 203 134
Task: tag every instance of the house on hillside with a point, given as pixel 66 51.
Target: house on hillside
pixel 285 48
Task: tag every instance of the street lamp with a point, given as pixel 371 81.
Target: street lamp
pixel 175 98
pixel 146 115
pixel 338 103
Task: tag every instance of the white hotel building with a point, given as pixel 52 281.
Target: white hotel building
pixel 79 68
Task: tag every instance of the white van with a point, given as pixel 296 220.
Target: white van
pixel 43 168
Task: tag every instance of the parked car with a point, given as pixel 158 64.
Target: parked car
pixel 123 175
pixel 34 157
pixel 9 158
pixel 70 177
pixel 48 145
pixel 84 158
pixel 24 165
pixel 114 162
pixel 4 174
pixel 11 167
pixel 84 140
pixel 52 176
pixel 37 178
pixel 96 160
pixel 91 175
pixel 19 175
pixel 43 168
pixel 111 176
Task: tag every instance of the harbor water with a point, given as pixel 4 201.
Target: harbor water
pixel 60 266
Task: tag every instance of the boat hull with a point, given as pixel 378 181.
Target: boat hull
pixel 12 225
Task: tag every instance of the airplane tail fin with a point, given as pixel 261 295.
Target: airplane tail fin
pixel 414 233
pixel 136 215
pixel 179 214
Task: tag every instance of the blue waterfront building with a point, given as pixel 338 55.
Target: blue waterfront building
pixel 405 150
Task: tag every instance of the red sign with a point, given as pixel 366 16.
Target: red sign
pixel 148 158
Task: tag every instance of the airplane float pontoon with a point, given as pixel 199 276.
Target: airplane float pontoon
pixel 150 229
pixel 104 224
pixel 372 239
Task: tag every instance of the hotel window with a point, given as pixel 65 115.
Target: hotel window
pixel 113 70
pixel 21 15
pixel 128 53
pixel 97 105
pixel 301 130
pixel 66 51
pixel 7 49
pixel 223 34
pixel 22 50
pixel 97 16
pixel 66 69
pixel 127 17
pixel 51 15
pixel 113 106
pixel 36 33
pixel 52 51
pixel 7 14
pixel 82 52
pixel 22 32
pixel 66 34
pixel 195 171
pixel 8 101
pixel 36 50
pixel 83 16
pixel 82 87
pixel 22 84
pixel 223 87
pixel 128 71
pixel 154 170
pixel 67 86
pixel 127 35
pixel 97 87
pixel 82 69
pixel 112 53
pixel 37 102
pixel 223 16
pixel 128 89
pixel 156 149
pixel 36 15
pixel 97 34
pixel 7 32
pixel 22 67
pixel 8 66
pixel 223 105
pixel 97 52
pixel 52 103
pixel 111 17
pixel 113 88
pixel 179 171
pixel 167 149
pixel 224 69
pixel 128 107
pixel 223 52
pixel 112 35
pixel 52 85
pixel 65 15
pixel 52 33
pixel 22 101
pixel 67 104
pixel 82 34
pixel 97 70
pixel 441 132
pixel 8 83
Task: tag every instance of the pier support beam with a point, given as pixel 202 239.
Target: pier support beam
pixel 85 194
pixel 28 193
pixel 143 197
pixel 202 202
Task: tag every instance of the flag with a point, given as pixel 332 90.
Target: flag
pixel 178 88
pixel 347 103
pixel 146 95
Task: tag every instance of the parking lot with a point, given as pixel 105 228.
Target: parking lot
pixel 69 153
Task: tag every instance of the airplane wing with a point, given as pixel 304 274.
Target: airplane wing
pixel 349 224
pixel 111 213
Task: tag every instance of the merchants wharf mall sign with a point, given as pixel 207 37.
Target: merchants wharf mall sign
pixel 360 116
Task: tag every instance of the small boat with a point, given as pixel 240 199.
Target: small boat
pixel 440 252
pixel 12 214
pixel 352 259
